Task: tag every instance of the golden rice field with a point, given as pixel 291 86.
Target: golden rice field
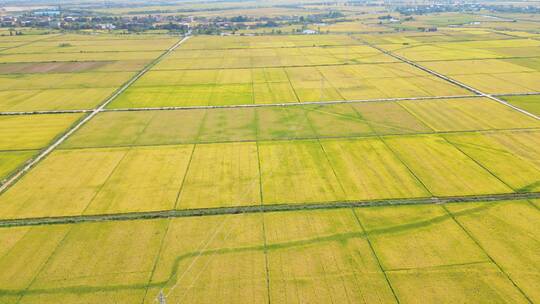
pixel 164 177
pixel 9 161
pixel 26 132
pixel 528 103
pixel 463 50
pixel 378 254
pixel 53 99
pixel 494 76
pixel 71 72
pixel 293 168
pixel 92 45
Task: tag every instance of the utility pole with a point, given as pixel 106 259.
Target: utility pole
pixel 161 298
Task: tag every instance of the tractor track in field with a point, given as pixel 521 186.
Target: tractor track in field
pixel 451 80
pixel 58 141
pixel 490 198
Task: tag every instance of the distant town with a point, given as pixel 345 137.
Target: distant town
pixel 59 18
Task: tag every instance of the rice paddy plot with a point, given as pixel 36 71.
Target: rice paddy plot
pixel 24 38
pixel 165 96
pixel 335 120
pixel 503 161
pixel 496 76
pixel 283 123
pixel 100 36
pixel 189 88
pixel 239 42
pixel 155 78
pixel 9 161
pixel 182 90
pixel 455 284
pixel 232 94
pixel 219 125
pixel 281 85
pixel 419 244
pixel 146 179
pixel 97 56
pixel 221 175
pixel 409 237
pixel 467 67
pixel 125 128
pixel 8 44
pixel 442 168
pixel 25 250
pixel 273 92
pixel 466 36
pixel 218 259
pixel 92 45
pixel 370 71
pixel 187 61
pixel 467 114
pixel 269 75
pixel 63 80
pixel 184 256
pixel 400 39
pixel 358 82
pixel 310 85
pixel 271 57
pixel 24 132
pixel 530 103
pixel 350 55
pixel 350 27
pixel 297 172
pixel 84 268
pixel 53 99
pixel 487 49
pixel 165 127
pixel 72 66
pixel 390 118
pixel 300 246
pixel 501 83
pixel 508 232
pixel 110 129
pixel 235 124
pixel 236 76
pixel 368 170
pixel 457 34
pixel 436 52
pixel 63 184
pixel 171 127
pixel 51 67
pixel 426 86
pixel 527 64
pixel 517 52
pixel 524 144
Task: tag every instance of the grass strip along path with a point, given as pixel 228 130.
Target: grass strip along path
pixel 490 198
